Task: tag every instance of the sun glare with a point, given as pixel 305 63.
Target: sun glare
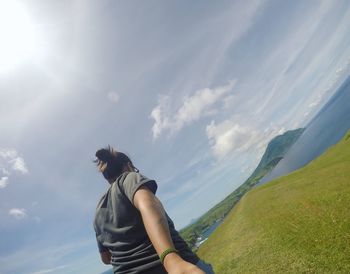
pixel 18 36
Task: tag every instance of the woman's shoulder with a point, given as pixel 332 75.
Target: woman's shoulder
pixel 102 200
pixel 130 182
pixel 126 175
pixel 131 177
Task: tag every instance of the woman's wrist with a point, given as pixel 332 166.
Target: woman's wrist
pixel 166 252
pixel 171 261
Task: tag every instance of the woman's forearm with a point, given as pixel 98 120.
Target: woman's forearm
pixel 154 219
pixel 157 228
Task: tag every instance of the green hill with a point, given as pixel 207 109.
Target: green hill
pixel 298 223
pixel 275 151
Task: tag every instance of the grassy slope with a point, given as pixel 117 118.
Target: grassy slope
pixel 276 149
pixel 299 223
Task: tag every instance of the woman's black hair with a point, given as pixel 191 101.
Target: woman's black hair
pixel 111 162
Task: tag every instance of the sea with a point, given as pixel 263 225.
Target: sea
pixel 324 130
pixel 206 233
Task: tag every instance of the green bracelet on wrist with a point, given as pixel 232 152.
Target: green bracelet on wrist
pixel 166 252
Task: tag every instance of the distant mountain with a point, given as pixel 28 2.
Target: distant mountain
pixel 275 151
pixel 325 129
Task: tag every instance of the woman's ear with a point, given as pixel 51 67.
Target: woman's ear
pixel 128 167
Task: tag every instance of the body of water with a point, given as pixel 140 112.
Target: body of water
pixel 327 128
pixel 208 232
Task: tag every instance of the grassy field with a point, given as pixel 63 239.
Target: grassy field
pixel 274 152
pixel 299 223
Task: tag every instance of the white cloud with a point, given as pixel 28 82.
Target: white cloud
pixel 335 79
pixel 113 96
pixel 314 104
pixel 3 182
pixel 4 171
pixel 194 107
pixel 10 159
pixel 8 153
pixel 307 113
pixel 229 136
pixel 19 165
pixel 316 101
pixel 161 122
pixel 246 168
pixel 18 213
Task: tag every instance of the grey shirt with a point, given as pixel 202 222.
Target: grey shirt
pixel 120 230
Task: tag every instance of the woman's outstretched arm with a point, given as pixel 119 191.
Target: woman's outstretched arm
pixel 156 224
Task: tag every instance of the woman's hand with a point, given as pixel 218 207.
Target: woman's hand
pixel 174 264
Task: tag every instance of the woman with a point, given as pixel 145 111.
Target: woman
pixel 133 231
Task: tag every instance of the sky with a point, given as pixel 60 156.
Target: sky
pixel 192 91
